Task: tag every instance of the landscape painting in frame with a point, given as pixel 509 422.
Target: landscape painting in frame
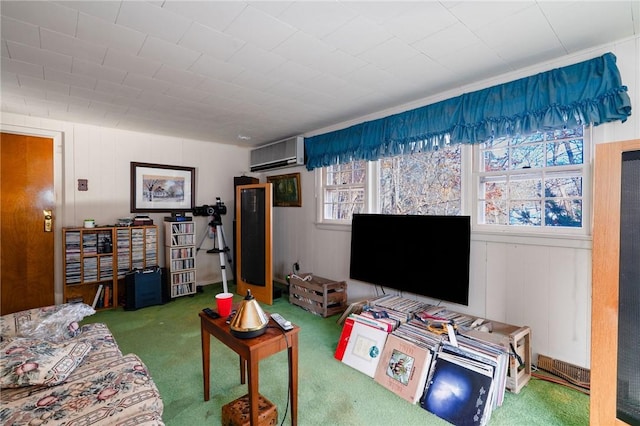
pixel 162 188
pixel 286 190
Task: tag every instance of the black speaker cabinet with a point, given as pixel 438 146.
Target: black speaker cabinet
pixel 144 288
pixel 253 231
pixel 615 290
pixel 238 181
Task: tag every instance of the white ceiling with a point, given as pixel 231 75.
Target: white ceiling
pixel 223 70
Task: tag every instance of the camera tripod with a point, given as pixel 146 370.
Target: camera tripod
pixel 222 249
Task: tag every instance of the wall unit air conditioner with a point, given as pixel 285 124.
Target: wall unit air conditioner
pixel 276 155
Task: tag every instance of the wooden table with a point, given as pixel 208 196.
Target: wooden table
pixel 251 351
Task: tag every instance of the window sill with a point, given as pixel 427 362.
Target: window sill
pixel 565 240
pixel 327 226
pixel 510 237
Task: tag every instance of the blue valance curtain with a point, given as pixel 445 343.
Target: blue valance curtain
pixel 589 92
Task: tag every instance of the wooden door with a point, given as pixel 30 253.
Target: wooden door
pixel 26 248
pixel 253 229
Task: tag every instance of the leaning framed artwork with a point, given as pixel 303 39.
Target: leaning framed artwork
pixel 286 190
pixel 162 188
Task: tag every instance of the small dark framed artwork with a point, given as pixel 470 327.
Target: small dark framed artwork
pixel 286 190
pixel 162 188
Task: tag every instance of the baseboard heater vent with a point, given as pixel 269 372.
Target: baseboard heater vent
pixel 572 373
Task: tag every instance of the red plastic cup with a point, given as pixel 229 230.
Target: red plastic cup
pixel 224 302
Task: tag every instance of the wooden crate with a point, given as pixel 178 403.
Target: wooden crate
pixel 237 412
pixel 513 339
pixel 321 296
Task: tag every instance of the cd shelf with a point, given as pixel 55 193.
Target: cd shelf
pixel 96 258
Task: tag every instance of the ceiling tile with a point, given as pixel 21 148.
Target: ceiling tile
pixel 71 46
pixel 107 10
pixel 317 19
pixel 485 64
pixel 16 103
pixel 92 95
pixel 69 79
pixel 20 67
pixel 423 19
pixel 380 11
pixel 214 43
pixel 43 14
pixel 184 93
pixel 371 76
pixel 116 90
pixel 168 53
pixel 214 14
pixel 293 72
pixel 360 35
pixel 339 63
pixel 451 39
pixel 256 58
pixel 9 81
pixel 304 49
pixel 420 71
pixel 256 80
pixel 391 51
pixel 175 76
pixel 33 55
pixel 568 20
pixel 259 28
pixel 105 33
pixel 100 72
pixel 530 22
pixel 153 20
pixel 131 63
pixel 20 32
pixel 478 14
pixel 212 68
pixel 145 83
pixel 40 84
pixel 68 101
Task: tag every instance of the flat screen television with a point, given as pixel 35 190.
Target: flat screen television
pixel 423 255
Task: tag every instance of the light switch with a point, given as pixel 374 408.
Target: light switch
pixel 83 184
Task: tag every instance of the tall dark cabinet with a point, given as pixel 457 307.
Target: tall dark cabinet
pixel 254 231
pixel 615 310
pixel 237 181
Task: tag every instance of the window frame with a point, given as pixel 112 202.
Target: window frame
pixel 470 182
pixel 551 231
pixel 369 195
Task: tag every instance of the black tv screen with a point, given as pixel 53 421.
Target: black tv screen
pixel 423 255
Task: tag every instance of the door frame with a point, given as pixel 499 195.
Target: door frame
pixel 59 213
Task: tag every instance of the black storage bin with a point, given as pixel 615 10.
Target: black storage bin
pixel 143 288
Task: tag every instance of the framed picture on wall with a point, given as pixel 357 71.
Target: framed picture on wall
pixel 286 190
pixel 162 188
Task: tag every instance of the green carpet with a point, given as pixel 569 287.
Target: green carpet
pixel 167 338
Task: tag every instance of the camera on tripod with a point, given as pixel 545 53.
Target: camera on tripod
pixel 215 211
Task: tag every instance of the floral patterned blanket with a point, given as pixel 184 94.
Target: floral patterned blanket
pixel 80 379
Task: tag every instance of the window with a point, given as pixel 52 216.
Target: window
pixel 532 181
pixel 343 191
pixel 425 183
pixel 536 181
pixel 420 183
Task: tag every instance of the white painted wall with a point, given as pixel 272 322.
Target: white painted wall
pixel 543 283
pixel 103 157
pixel 540 282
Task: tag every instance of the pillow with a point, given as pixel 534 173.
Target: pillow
pixel 27 361
pixel 55 322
